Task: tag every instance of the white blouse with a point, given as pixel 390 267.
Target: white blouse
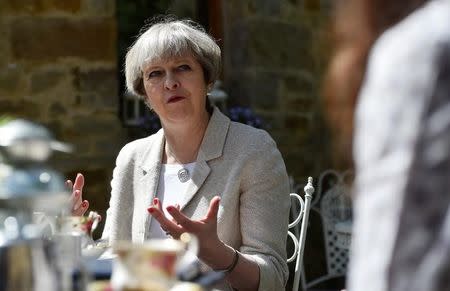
pixel 170 192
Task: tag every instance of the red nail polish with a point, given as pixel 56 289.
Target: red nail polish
pixel 170 208
pixel 84 204
pixel 151 209
pixel 155 200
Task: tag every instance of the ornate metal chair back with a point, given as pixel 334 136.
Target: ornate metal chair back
pixel 335 211
pixel 298 236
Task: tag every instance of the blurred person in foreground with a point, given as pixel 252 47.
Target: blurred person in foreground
pixel 223 181
pixel 391 75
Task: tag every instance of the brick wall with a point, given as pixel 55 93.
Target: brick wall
pixel 58 67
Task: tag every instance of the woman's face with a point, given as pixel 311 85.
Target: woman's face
pixel 176 89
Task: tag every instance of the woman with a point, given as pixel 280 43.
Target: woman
pixel 392 70
pixel 222 181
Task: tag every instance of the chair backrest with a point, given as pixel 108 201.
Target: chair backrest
pixel 299 236
pixel 333 204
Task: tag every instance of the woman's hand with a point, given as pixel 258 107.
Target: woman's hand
pixel 212 250
pixel 78 206
pixel 204 229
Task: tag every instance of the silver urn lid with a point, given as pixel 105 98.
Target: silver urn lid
pixel 27 183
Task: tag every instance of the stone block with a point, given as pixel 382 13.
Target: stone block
pixel 4 42
pixel 238 9
pixel 271 120
pixel 238 38
pixel 103 81
pixel 289 140
pixel 268 7
pixel 57 110
pixel 303 163
pixel 297 122
pixel 39 6
pixel 299 93
pixel 107 147
pixel 42 81
pixel 280 45
pixel 259 90
pixel 57 127
pixel 300 103
pixel 299 83
pixel 271 44
pixel 21 108
pixel 11 80
pixel 49 39
pixel 83 146
pixel 99 7
pixel 96 126
pixel 94 102
pixel 183 8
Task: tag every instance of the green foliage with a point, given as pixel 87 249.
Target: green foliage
pixel 5 119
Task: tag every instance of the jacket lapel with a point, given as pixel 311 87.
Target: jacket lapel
pixel 211 148
pixel 148 184
pixel 199 176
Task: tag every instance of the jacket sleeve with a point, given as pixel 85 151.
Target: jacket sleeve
pixel 264 212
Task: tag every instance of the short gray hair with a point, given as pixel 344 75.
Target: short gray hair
pixel 166 39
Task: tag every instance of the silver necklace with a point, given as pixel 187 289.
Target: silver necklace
pixel 183 173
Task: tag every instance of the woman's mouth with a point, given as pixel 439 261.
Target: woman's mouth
pixel 174 99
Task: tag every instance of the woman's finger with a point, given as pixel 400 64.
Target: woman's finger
pixel 69 185
pixel 213 209
pixel 79 182
pixel 79 207
pixel 75 199
pixel 177 206
pixel 82 209
pixel 181 219
pixel 157 204
pixel 164 222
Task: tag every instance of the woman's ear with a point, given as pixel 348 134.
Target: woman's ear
pixel 139 86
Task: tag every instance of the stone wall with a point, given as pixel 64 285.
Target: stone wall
pixel 58 67
pixel 275 52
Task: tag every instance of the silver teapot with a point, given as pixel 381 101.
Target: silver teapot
pixel 28 187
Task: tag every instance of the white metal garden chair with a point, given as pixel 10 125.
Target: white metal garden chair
pixel 336 214
pixel 299 237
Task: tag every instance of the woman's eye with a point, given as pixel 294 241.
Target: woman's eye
pixel 153 74
pixel 184 68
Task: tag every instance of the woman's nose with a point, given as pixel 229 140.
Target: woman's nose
pixel 171 82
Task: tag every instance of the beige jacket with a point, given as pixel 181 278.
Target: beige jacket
pixel 235 161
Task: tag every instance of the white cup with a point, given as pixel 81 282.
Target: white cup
pixel 150 265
